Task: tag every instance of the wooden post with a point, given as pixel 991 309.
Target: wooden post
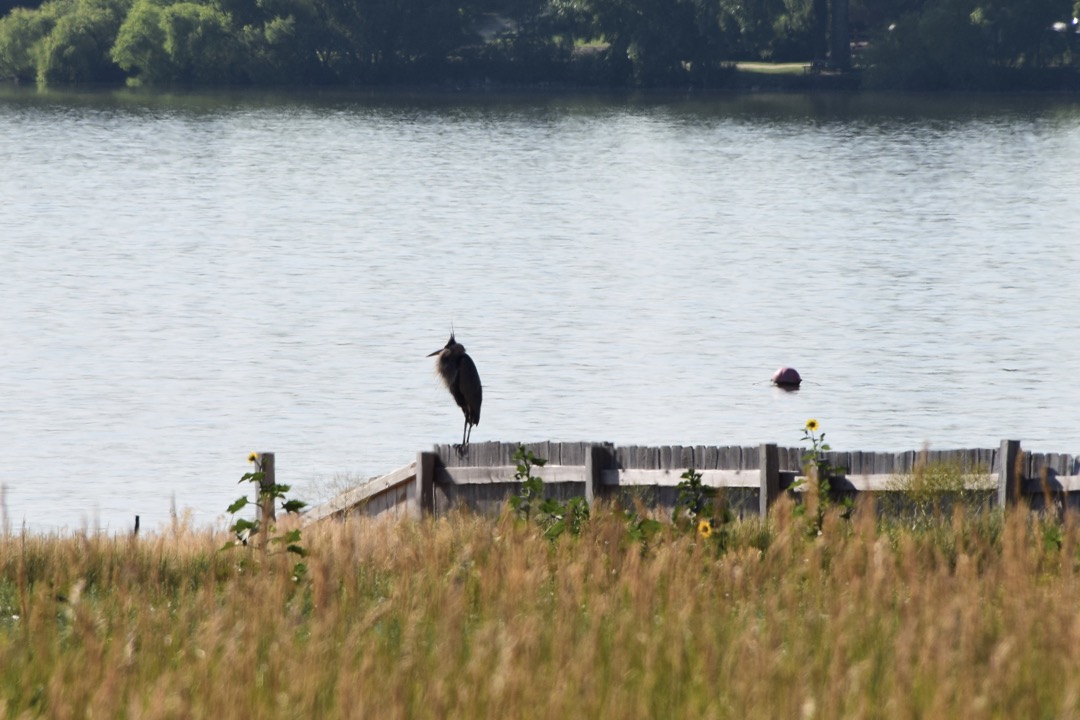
pixel 769 462
pixel 264 510
pixel 593 465
pixel 422 500
pixel 1008 479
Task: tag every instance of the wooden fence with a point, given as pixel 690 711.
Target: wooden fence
pixel 483 479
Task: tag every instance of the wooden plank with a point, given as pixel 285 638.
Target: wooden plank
pixel 1038 462
pixel 652 458
pixel 576 454
pixel 505 474
pixel 392 503
pixel 887 483
pixel 1059 484
pixel 768 478
pixel 350 498
pixel 726 459
pixel 973 458
pixel 712 458
pixel 642 458
pixel 699 457
pixel 671 478
pixel 594 464
pixel 1008 486
pixel 665 457
pixel 748 458
pixel 373 507
pixel 423 489
pixel 535 449
pixel 687 457
pixel 448 455
pixel 487 454
pixel 794 459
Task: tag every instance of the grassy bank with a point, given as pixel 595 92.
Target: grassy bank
pixel 470 617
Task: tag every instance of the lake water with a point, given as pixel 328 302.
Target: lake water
pixel 187 278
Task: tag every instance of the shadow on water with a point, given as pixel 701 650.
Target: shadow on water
pixel 680 106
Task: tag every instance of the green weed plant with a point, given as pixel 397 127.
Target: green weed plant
pixel 268 496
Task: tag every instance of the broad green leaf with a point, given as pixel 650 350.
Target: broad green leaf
pixel 241 525
pixel 236 506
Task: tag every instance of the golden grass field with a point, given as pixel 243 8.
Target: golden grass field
pixel 472 617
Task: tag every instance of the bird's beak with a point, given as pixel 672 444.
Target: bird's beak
pixel 434 353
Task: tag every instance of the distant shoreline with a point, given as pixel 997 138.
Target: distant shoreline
pixel 742 77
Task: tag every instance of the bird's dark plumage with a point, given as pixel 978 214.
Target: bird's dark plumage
pixel 458 373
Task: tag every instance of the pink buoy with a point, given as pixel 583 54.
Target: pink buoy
pixel 787 378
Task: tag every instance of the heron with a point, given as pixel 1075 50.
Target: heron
pixel 458 373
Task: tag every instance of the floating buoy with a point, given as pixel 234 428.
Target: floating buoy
pixel 787 378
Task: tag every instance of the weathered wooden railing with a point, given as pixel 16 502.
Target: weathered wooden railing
pixel 483 479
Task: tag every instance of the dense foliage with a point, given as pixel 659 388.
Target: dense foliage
pixel 899 43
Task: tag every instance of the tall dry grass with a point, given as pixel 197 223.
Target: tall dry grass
pixel 475 618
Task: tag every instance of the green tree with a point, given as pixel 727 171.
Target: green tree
pixel 76 49
pixel 21 32
pixel 798 32
pixel 140 45
pixel 936 48
pixel 660 42
pixel 1018 33
pixel 937 44
pixel 289 45
pixel 200 42
pixel 411 34
pixel 181 42
pixel 753 21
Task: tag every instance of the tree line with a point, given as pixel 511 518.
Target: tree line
pixel 905 44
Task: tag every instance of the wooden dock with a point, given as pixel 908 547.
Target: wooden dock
pixel 441 480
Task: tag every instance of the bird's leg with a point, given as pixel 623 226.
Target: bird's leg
pixel 463 448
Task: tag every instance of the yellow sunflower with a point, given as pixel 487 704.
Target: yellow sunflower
pixel 253 457
pixel 704 528
pixel 811 425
